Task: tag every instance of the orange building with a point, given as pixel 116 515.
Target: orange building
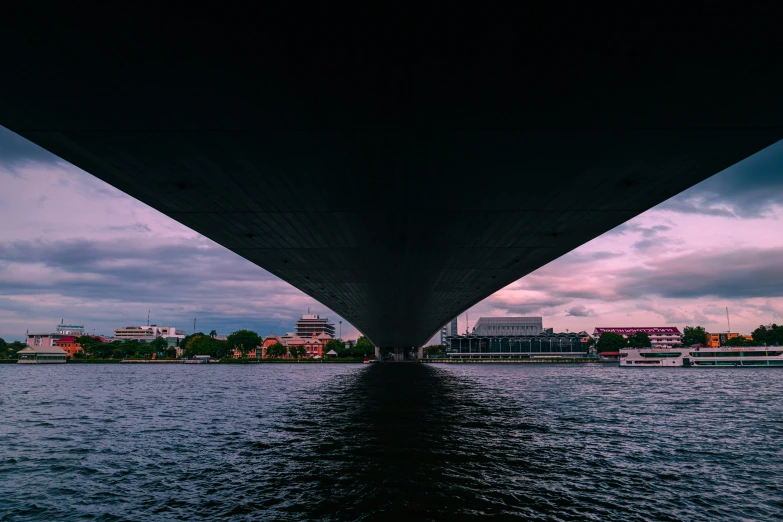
pixel 71 347
pixel 69 344
pixel 313 345
pixel 714 340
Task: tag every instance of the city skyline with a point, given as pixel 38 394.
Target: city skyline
pixel 75 248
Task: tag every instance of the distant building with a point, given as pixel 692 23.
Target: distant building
pixel 69 329
pixel 509 326
pixel 41 355
pixel 313 345
pixel 146 334
pixel 502 346
pixel 714 340
pixel 660 336
pixel 447 330
pixel 311 324
pixel 42 339
pixel 71 347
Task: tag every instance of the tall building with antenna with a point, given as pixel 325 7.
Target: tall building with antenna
pixel 311 324
pixel 447 330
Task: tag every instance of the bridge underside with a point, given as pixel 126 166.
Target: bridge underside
pixel 398 178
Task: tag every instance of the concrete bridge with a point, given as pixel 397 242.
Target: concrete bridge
pixel 398 170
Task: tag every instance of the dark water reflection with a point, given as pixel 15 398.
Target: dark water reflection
pixel 390 442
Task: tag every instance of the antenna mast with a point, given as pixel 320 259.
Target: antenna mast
pixel 194 325
pixel 728 323
pixel 467 318
pixel 148 316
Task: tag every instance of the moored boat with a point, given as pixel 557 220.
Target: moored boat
pixel 752 356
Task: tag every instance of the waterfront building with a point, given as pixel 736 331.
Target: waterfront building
pixel 41 355
pixel 44 340
pixel 149 333
pixel 508 326
pixel 71 347
pixel 314 324
pixel 503 346
pixel 660 336
pixel 313 344
pixel 714 340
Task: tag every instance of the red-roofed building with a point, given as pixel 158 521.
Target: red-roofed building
pixel 71 347
pixel 660 336
pixel 313 344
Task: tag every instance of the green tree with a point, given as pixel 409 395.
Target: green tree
pixel 638 340
pixel 276 350
pixel 159 345
pixel 338 346
pixel 171 352
pixel 131 347
pixel 434 350
pixel 694 335
pixel 772 336
pixel 3 349
pixel 244 341
pixel 213 333
pixel 611 342
pixel 297 351
pixel 364 347
pixel 88 343
pixel 739 341
pixel 200 344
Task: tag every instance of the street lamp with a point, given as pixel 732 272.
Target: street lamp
pixel 341 329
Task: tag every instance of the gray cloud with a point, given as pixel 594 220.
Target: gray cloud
pixel 740 273
pixel 746 190
pixel 112 283
pixel 631 227
pixel 133 227
pixel 579 311
pixel 15 152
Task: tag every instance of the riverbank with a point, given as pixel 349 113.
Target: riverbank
pixel 537 360
pixel 348 360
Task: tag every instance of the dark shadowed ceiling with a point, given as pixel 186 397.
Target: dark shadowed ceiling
pixel 397 173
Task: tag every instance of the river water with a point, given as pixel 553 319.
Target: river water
pixel 389 442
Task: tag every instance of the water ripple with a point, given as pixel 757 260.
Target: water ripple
pixel 389 442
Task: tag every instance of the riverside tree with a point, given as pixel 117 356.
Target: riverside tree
pixel 363 347
pixel 297 351
pixel 740 341
pixel 769 336
pixel 611 342
pixel 338 346
pixel 434 350
pixel 638 340
pixel 200 344
pixel 9 350
pixel 244 341
pixel 694 335
pixel 159 345
pixel 276 350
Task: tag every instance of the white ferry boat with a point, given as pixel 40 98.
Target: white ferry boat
pixel 690 357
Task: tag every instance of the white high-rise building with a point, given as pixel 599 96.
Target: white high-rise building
pixel 148 333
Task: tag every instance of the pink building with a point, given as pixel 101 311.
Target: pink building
pixel 661 336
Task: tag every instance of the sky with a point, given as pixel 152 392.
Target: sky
pixel 73 248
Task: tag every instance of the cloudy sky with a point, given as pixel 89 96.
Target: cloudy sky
pixel 74 248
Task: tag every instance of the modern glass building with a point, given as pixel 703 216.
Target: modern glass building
pixel 508 326
pixel 546 345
